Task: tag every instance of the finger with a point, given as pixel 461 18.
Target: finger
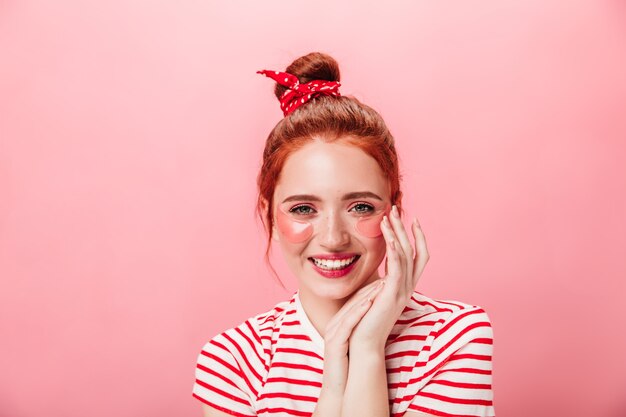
pixel 406 251
pixel 422 256
pixel 357 298
pixel 400 231
pixel 342 328
pixel 394 263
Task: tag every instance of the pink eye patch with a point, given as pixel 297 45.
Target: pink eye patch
pixel 370 226
pixel 298 231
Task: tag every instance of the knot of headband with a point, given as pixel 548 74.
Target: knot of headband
pixel 297 94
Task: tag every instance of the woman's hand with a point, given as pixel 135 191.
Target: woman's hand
pixel 403 270
pixel 337 341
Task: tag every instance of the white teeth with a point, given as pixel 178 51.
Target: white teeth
pixel 333 264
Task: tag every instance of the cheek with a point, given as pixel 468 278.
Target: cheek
pixel 294 231
pixel 370 226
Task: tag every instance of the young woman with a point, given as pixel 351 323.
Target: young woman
pixel 349 342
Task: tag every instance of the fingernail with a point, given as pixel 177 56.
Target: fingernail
pixel 394 210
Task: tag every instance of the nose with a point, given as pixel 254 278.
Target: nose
pixel 333 231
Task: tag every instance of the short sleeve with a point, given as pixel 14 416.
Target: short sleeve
pixel 462 382
pixel 220 381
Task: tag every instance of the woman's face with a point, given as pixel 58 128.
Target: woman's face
pixel 328 203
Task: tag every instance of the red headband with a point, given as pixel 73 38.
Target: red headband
pixel 297 94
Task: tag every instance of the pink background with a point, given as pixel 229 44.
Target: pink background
pixel 130 138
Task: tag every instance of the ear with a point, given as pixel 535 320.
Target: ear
pixel 264 209
pixel 275 233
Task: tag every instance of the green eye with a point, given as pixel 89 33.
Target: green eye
pixel 303 210
pixel 363 208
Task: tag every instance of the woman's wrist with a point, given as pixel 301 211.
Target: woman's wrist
pixel 367 347
pixel 329 403
pixel 334 380
pixel 331 397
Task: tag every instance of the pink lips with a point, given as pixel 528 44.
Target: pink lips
pixel 336 273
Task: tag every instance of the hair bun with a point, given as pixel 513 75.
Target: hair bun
pixel 313 66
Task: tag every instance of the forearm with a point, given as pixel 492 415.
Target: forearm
pixel 333 386
pixel 366 392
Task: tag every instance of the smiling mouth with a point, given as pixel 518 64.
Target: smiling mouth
pixel 334 265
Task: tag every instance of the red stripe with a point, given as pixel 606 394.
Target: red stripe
pixel 294 336
pixel 454 400
pixel 461 307
pixel 406 368
pixel 227 411
pixel 286 395
pixel 403 354
pixel 459 384
pixel 254 334
pixel 224 393
pixel 297 366
pixel 423 303
pixel 408 337
pixel 300 352
pixel 294 381
pixel 470 356
pixel 291 323
pixel 415 319
pixel 283 410
pixel 430 324
pixel 436 412
pixel 469 371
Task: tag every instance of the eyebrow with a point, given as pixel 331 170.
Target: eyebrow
pixel 349 196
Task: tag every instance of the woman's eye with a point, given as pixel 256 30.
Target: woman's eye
pixel 363 208
pixel 302 210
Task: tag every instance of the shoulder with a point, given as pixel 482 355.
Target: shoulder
pixel 444 315
pixel 251 337
pixel 233 365
pixel 435 328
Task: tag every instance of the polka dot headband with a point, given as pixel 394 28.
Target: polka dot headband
pixel 297 94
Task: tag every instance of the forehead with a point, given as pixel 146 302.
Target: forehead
pixel 333 168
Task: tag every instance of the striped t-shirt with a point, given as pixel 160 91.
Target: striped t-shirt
pixel 438 359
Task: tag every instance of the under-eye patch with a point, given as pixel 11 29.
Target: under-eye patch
pixel 369 226
pixel 295 231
